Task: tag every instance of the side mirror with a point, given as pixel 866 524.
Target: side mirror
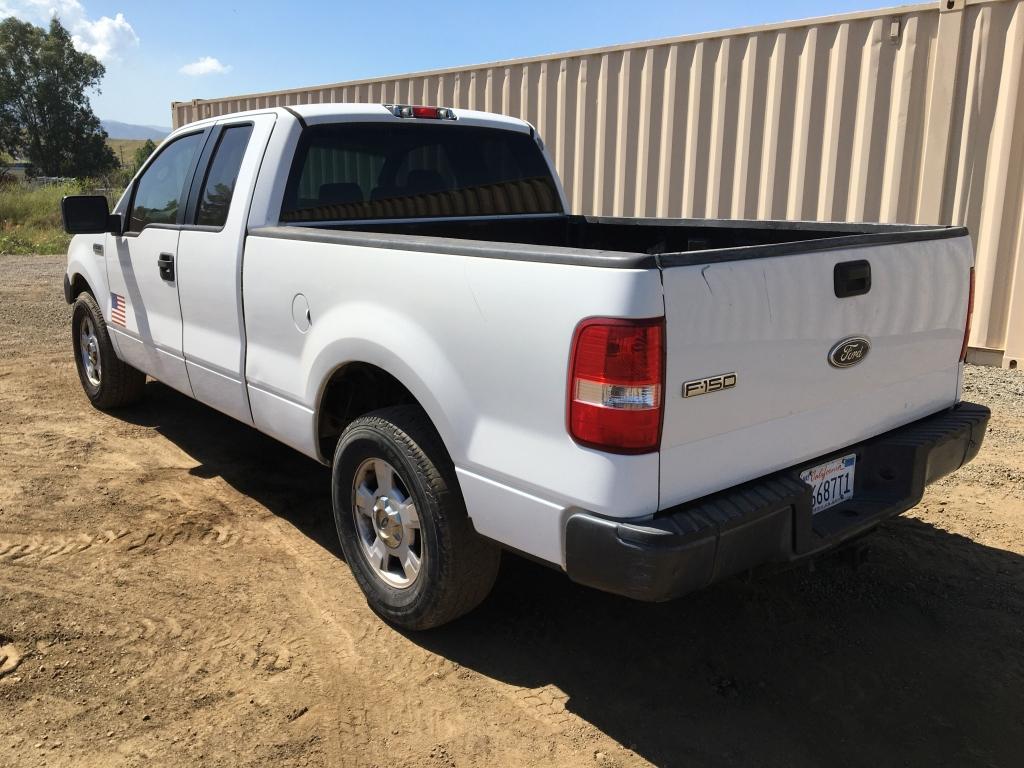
pixel 88 215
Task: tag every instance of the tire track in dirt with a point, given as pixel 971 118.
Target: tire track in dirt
pixel 38 550
pixel 335 626
pixel 358 639
pixel 190 648
pixel 546 705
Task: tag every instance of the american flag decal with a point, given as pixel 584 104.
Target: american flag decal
pixel 117 309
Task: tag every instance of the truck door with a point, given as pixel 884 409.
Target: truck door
pixel 145 317
pixel 210 262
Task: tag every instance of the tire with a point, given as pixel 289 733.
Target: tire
pixel 457 567
pixel 108 382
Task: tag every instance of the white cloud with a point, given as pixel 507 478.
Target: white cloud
pixel 205 66
pixel 105 38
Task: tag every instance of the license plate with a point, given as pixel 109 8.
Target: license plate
pixel 831 483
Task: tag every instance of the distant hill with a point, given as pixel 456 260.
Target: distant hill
pixel 116 130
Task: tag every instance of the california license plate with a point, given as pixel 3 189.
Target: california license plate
pixel 831 483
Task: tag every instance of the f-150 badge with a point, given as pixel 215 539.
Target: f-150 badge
pixel 709 385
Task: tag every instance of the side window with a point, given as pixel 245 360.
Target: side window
pixel 160 192
pixel 220 180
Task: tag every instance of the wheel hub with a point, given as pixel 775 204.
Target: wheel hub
pixel 89 346
pixel 388 521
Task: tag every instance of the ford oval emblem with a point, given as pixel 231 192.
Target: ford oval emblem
pixel 848 352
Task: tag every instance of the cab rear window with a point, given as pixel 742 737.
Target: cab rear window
pixel 359 171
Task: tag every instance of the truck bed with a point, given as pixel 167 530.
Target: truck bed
pixel 755 301
pixel 630 243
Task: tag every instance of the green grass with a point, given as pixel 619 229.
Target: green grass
pixel 30 218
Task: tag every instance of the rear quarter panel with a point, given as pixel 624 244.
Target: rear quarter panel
pixel 482 343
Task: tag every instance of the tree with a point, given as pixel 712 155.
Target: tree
pixel 45 114
pixel 143 152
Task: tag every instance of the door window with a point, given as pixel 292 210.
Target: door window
pixel 160 193
pixel 220 179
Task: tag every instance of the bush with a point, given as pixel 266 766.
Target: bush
pixel 143 152
pixel 112 185
pixel 30 218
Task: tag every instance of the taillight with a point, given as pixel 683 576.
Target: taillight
pixel 423 113
pixel 615 384
pixel 967 323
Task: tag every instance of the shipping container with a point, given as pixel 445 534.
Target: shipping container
pixel 909 114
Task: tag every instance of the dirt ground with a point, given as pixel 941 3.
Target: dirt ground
pixel 172 593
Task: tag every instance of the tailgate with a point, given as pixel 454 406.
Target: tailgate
pixel 772 321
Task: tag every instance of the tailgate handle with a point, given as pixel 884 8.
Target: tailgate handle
pixel 852 278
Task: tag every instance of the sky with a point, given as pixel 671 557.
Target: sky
pixel 156 53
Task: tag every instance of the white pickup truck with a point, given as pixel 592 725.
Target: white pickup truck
pixel 651 405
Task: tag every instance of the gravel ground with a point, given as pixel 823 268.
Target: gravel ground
pixel 171 593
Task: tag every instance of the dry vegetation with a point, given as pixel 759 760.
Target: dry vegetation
pixel 30 216
pixel 125 150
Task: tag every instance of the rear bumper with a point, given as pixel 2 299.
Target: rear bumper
pixel 769 520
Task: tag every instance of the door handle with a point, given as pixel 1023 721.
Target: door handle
pixel 851 278
pixel 166 265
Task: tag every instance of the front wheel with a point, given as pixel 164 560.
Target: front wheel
pixel 402 522
pixel 107 381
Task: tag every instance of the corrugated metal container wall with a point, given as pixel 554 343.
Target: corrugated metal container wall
pixel 912 114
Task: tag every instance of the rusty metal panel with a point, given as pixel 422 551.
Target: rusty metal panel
pixel 910 114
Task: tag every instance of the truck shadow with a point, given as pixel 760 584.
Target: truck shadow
pixel 287 483
pixel 914 658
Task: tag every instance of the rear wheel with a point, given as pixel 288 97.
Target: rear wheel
pixel 403 524
pixel 108 382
